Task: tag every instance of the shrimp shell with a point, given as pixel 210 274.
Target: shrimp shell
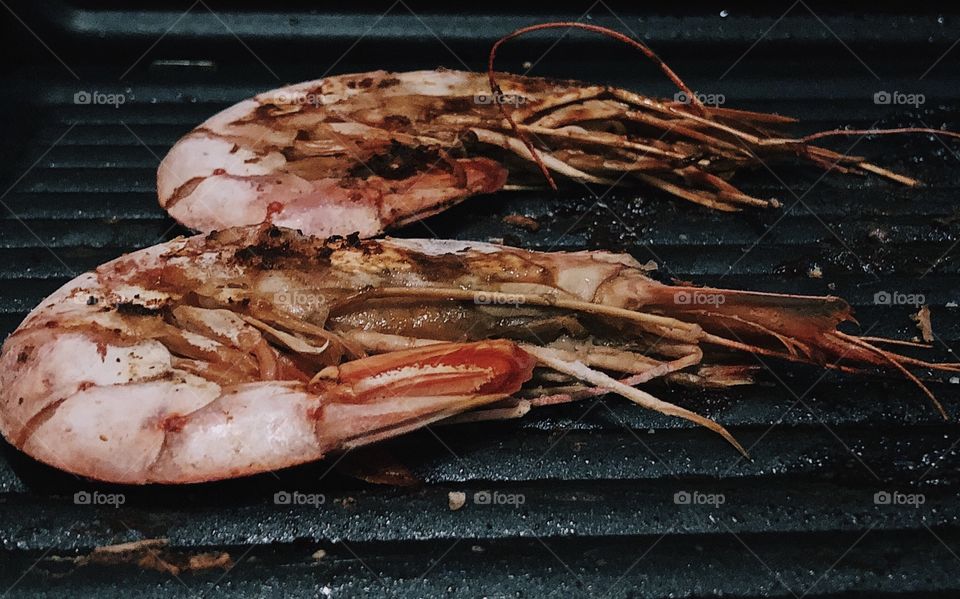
pixel 259 348
pixel 373 151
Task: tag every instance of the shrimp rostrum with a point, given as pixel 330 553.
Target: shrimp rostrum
pixel 259 348
pixel 372 151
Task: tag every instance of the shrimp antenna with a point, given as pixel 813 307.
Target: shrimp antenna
pixel 895 361
pixel 497 92
pixel 895 131
pixel 698 112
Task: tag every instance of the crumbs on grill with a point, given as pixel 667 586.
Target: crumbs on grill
pixel 922 318
pixel 154 554
pixel 522 222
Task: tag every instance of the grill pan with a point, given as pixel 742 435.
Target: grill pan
pixel 602 482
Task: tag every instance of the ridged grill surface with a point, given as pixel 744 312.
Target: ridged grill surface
pixel 598 478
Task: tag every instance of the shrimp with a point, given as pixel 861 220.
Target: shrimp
pixel 368 152
pixel 258 348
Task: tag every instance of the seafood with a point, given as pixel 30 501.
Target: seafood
pixel 257 348
pixel 368 152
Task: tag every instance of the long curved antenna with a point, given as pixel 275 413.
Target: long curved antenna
pixel 497 92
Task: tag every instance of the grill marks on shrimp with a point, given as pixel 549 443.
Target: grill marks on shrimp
pixel 408 145
pixel 372 151
pixel 258 348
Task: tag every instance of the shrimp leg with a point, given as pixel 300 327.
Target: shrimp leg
pixel 254 349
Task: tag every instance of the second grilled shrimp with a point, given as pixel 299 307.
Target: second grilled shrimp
pixel 368 152
pixel 254 349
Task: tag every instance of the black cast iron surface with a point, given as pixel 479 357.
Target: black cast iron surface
pixel 601 483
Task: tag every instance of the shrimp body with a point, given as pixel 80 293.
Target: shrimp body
pixel 258 348
pixel 373 151
pixel 118 378
pixel 352 153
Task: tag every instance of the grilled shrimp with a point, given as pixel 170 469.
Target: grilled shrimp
pixel 258 348
pixel 372 151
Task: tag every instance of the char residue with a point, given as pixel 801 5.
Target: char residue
pixel 441 267
pixel 265 255
pixel 455 105
pixel 399 162
pixel 24 354
pixel 396 122
pixel 134 309
pixel 275 248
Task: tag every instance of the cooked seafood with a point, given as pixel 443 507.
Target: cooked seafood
pixel 372 151
pixel 257 348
